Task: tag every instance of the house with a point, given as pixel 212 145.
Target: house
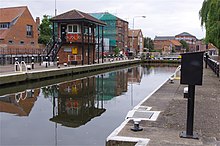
pixel 18 34
pixel 189 39
pixel 116 30
pixel 74 38
pixel 137 44
pixel 167 44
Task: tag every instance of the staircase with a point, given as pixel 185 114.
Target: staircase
pixel 52 48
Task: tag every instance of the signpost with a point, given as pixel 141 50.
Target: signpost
pixel 191 74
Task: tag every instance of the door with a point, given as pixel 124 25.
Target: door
pixel 63 32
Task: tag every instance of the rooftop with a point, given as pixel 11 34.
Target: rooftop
pixel 164 38
pixel 11 13
pixel 76 15
pixel 185 34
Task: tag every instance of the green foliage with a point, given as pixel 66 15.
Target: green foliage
pixel 148 43
pixel 45 30
pixel 116 50
pixel 210 18
pixel 184 45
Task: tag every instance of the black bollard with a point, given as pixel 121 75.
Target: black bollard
pixel 16 65
pixel 32 62
pixel 46 61
pixel 58 64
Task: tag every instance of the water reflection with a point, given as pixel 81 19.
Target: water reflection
pixel 20 103
pixel 77 102
pixel 83 111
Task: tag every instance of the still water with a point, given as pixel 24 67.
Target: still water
pixel 80 112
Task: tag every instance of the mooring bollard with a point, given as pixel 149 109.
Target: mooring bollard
pixel 16 64
pixel 32 62
pixel 136 125
pixel 58 64
pixel 46 62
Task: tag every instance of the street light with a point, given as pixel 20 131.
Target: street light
pixel 132 41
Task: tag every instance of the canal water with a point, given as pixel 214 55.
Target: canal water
pixel 81 112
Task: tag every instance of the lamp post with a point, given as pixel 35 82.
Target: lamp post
pixel 132 40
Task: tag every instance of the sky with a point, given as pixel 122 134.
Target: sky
pixel 163 17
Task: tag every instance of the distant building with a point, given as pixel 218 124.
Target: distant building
pixel 116 30
pixel 167 44
pixel 74 38
pixel 18 34
pixel 190 40
pixel 138 40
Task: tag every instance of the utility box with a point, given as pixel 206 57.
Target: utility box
pixel 191 68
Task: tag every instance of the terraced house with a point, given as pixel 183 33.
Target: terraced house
pixel 18 35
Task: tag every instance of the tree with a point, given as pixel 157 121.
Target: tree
pixel 148 43
pixel 116 50
pixel 45 30
pixel 210 18
pixel 185 45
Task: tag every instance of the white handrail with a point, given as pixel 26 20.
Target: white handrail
pixel 23 63
pixel 177 69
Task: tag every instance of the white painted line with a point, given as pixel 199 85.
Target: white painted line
pixel 117 130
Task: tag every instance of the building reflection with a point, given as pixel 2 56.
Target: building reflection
pixel 20 103
pixel 77 102
pixel 135 74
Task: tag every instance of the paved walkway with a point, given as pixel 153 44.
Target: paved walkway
pixel 172 118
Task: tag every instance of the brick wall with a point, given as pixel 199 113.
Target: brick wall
pixel 17 33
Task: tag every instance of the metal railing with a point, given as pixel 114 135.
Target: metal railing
pixel 214 65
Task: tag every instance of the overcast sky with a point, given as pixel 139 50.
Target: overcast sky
pixel 163 17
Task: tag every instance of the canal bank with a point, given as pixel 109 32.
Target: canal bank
pixel 163 117
pixel 49 73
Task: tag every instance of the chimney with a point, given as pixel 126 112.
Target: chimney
pixel 38 21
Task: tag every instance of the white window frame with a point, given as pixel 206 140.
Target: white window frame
pixel 72 25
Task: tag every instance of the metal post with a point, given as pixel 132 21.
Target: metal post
pixel 88 46
pixel 206 59
pixel 58 64
pixel 16 65
pixel 98 44
pixel 102 44
pixel 83 43
pixel 32 62
pixel 190 115
pixel 46 61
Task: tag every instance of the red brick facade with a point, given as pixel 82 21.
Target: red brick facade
pixel 16 39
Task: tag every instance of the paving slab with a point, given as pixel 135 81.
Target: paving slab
pixel 173 111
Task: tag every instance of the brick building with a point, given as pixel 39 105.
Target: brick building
pixel 167 45
pixel 116 30
pixel 18 34
pixel 138 40
pixel 189 39
pixel 74 38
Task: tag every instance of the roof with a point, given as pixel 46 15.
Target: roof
pixel 106 16
pixel 185 34
pixel 11 13
pixel 176 42
pixel 164 38
pixel 76 15
pixel 136 32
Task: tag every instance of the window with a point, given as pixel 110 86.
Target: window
pixel 21 42
pixel 29 29
pixel 4 25
pixel 10 42
pixel 73 28
pixel 32 43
